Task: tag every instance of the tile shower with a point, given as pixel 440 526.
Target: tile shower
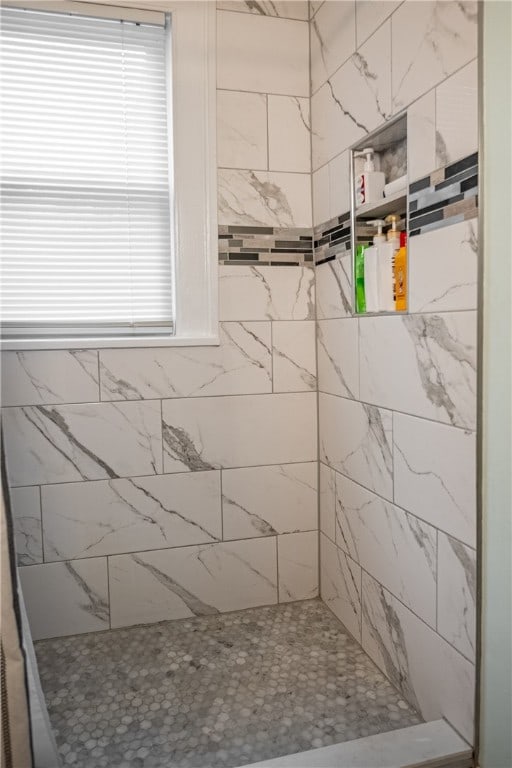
pixel 183 483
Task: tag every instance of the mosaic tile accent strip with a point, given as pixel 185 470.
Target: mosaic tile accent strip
pixel 447 196
pixel 270 246
pixel 221 690
pixel 332 238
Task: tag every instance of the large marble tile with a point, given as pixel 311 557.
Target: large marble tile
pixel 297 555
pixel 264 501
pixel 435 470
pixel 456 596
pixel 242 130
pixel 334 288
pixel 242 364
pixel 108 517
pixel 258 53
pixel 356 440
pixel 457 116
pixel 338 357
pixel 58 444
pixel 396 548
pixel 340 585
pixel 56 376
pixel 354 101
pixel 294 356
pixel 370 15
pixel 284 9
pixel 289 127
pixel 431 40
pixel 263 198
pixel 321 195
pixel 424 365
pixel 327 501
pixel 192 581
pixel 421 136
pixel 66 598
pixel 26 514
pixel 339 185
pixel 333 39
pixel 432 676
pixel 443 268
pixel 242 431
pixel 266 293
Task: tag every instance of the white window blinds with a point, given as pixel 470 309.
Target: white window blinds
pixel 85 208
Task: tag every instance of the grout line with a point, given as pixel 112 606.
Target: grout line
pixel 108 594
pixel 40 494
pixel 221 509
pixel 263 93
pixel 278 590
pixel 437 580
pixel 260 15
pixel 402 509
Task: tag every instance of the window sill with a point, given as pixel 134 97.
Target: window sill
pixel 21 345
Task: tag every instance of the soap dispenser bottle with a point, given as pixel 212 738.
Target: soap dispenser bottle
pixel 370 183
pixel 393 234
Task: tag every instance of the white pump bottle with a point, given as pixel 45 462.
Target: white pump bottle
pixel 370 183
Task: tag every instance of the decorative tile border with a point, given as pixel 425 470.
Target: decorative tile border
pixel 447 196
pixel 332 238
pixel 267 246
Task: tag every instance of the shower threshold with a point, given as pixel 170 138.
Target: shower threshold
pixel 214 691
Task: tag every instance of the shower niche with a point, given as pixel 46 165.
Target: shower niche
pixel 379 184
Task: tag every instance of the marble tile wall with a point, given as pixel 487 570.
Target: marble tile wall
pixel 151 484
pixel 158 483
pixel 397 394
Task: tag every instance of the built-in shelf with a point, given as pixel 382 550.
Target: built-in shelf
pixel 396 203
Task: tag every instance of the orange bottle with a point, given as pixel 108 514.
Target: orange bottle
pixel 400 276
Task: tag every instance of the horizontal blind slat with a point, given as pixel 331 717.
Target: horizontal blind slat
pixel 85 195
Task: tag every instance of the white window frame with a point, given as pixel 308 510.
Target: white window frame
pixel 195 173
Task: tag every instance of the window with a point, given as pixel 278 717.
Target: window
pixel 95 245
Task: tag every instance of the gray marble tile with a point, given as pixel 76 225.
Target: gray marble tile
pixel 443 266
pixel 334 288
pixel 356 440
pixel 327 501
pixel 433 677
pixel 435 474
pixel 258 53
pixel 333 39
pixel 340 585
pixel 294 356
pixel 266 293
pixel 264 198
pixel 66 598
pixel 424 365
pixel 26 513
pixel 338 357
pixel 56 444
pixel 242 130
pixel 431 40
pixel 297 555
pixel 289 134
pixel 283 9
pixel 265 501
pixel 354 101
pixel 192 581
pixel 56 376
pixel 107 517
pixel 396 548
pixel 457 585
pixel 240 365
pixel 457 116
pixel 243 431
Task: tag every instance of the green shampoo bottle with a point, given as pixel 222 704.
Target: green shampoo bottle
pixel 359 276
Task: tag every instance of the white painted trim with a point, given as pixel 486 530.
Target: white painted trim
pixel 109 342
pixel 195 178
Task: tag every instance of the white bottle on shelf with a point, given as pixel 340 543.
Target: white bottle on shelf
pixel 370 183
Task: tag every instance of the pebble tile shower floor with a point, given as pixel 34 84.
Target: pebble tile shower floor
pixel 221 690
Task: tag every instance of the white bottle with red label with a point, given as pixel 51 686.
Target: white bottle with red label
pixel 370 183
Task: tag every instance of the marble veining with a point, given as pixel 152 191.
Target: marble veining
pixel 26 513
pixel 457 597
pixel 334 288
pixel 263 293
pixel 340 581
pixel 46 444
